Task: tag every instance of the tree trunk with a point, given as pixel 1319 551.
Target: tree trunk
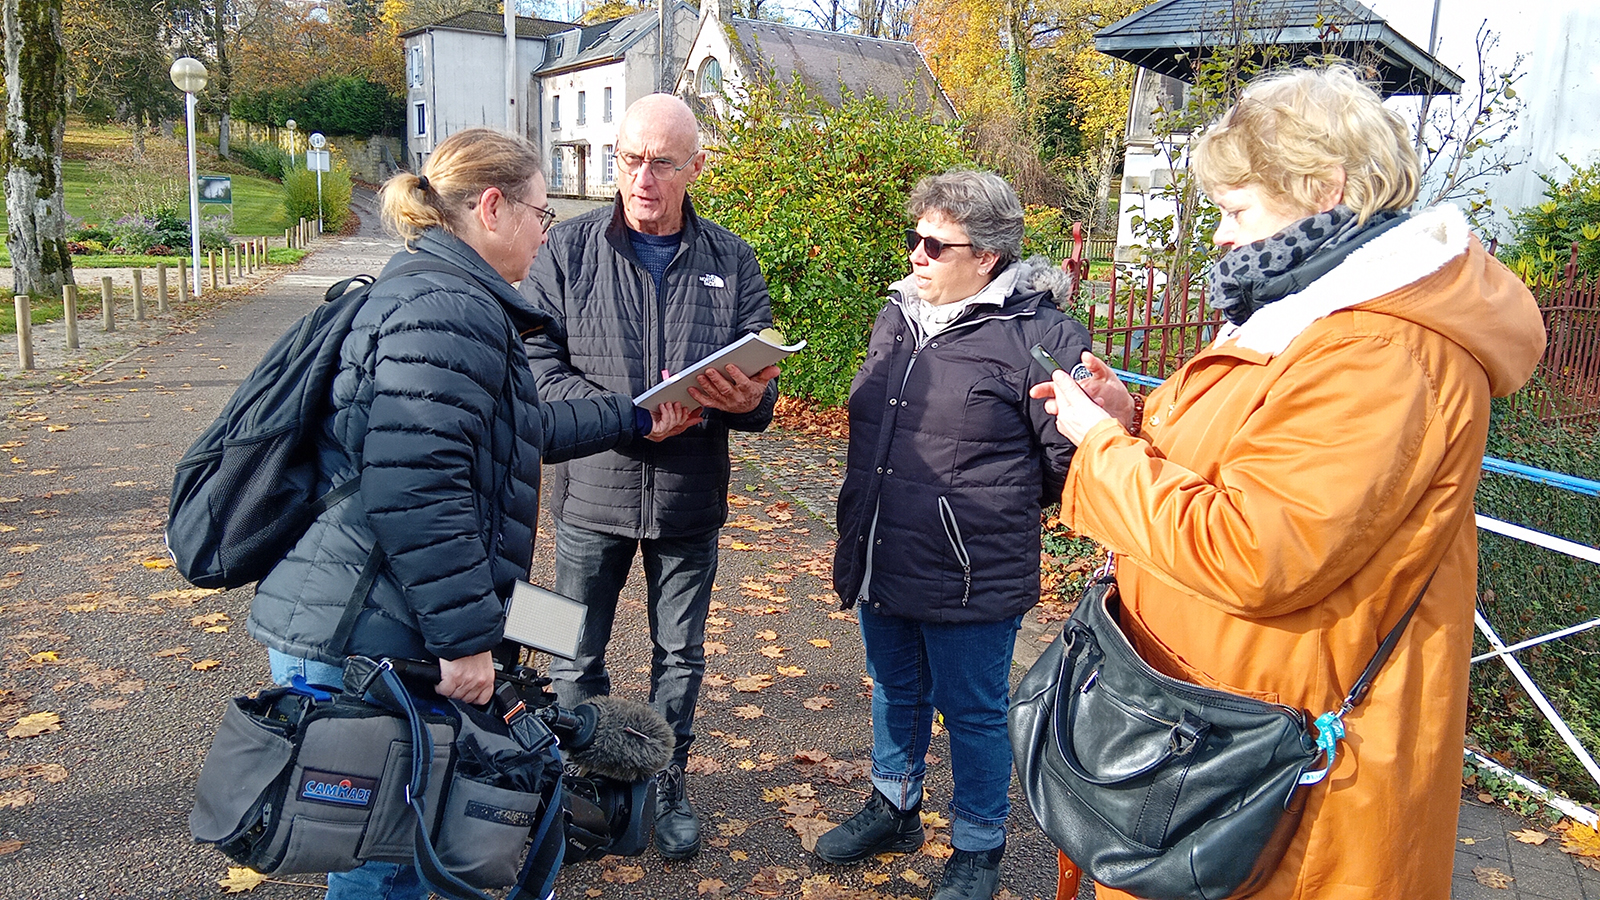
pixel 222 79
pixel 136 127
pixel 30 148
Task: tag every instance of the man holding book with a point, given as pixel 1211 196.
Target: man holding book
pixel 637 292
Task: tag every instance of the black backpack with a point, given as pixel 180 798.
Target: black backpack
pixel 243 493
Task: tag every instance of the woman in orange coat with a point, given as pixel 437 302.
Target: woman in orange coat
pixel 1293 487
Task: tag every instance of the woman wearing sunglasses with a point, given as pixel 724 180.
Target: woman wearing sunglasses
pixel 939 514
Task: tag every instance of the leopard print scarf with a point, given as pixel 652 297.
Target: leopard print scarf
pixel 1249 277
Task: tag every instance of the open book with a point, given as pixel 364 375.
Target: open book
pixel 751 354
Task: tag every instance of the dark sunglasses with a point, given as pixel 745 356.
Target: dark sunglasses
pixel 930 245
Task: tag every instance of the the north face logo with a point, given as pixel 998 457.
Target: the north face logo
pixel 710 280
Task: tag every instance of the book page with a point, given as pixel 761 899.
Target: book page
pixel 751 354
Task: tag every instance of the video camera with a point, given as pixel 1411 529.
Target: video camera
pixel 612 747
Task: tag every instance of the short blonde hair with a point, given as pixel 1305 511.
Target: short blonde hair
pixel 1293 130
pixel 459 170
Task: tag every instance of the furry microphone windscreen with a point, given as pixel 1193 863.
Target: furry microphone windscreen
pixel 631 741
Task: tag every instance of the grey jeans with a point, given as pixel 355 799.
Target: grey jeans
pixel 591 567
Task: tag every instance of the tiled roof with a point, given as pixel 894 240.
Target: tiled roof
pixel 825 60
pixel 491 23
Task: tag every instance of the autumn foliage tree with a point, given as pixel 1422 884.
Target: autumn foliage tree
pixel 819 192
pixel 1052 122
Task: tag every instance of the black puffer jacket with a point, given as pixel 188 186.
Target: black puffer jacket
pixel 435 407
pixel 950 460
pixel 616 334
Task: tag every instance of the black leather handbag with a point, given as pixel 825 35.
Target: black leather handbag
pixel 1156 786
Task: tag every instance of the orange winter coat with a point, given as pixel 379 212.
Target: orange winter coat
pixel 1291 491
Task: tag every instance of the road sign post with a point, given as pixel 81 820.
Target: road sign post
pixel 317 160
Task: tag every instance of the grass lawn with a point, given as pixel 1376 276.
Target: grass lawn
pixel 257 201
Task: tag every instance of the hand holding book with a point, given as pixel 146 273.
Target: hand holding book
pixel 732 379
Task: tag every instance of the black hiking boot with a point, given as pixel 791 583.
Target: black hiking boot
pixel 878 828
pixel 971 875
pixel 677 826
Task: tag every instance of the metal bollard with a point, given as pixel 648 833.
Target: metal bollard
pixel 108 321
pixel 69 308
pixel 138 294
pixel 161 287
pixel 183 281
pixel 24 332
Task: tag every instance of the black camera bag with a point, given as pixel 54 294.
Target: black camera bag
pixel 306 780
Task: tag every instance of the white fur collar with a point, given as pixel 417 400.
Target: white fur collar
pixel 1411 251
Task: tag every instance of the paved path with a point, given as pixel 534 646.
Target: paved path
pixel 135 666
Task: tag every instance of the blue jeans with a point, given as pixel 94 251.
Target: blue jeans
pixel 375 880
pixel 591 568
pixel 963 670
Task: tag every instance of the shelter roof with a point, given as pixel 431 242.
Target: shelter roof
pixel 1169 35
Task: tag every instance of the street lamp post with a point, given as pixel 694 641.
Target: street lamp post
pixel 189 76
pixel 291 126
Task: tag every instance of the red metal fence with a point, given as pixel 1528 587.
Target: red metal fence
pixel 1139 324
pixel 1567 386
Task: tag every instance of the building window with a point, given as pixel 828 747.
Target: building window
pixel 555 169
pixel 607 111
pixel 710 77
pixel 416 64
pixel 583 107
pixel 608 158
pixel 422 118
pixel 555 111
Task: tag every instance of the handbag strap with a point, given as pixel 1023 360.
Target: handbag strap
pixel 1330 725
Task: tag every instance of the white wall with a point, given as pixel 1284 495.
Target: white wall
pixel 464 85
pixel 1562 86
pixel 595 128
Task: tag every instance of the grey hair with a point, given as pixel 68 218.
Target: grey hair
pixel 982 203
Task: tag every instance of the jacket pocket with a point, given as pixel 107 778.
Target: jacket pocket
pixel 952 531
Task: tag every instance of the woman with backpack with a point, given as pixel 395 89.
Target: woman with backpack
pixel 434 408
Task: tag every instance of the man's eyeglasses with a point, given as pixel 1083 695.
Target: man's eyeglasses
pixel 660 167
pixel 547 217
pixel 930 245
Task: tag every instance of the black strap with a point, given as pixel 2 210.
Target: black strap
pixel 1358 691
pixel 358 599
pixel 334 497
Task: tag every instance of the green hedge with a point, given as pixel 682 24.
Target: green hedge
pixel 340 105
pixel 300 197
pixel 1527 591
pixel 819 192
